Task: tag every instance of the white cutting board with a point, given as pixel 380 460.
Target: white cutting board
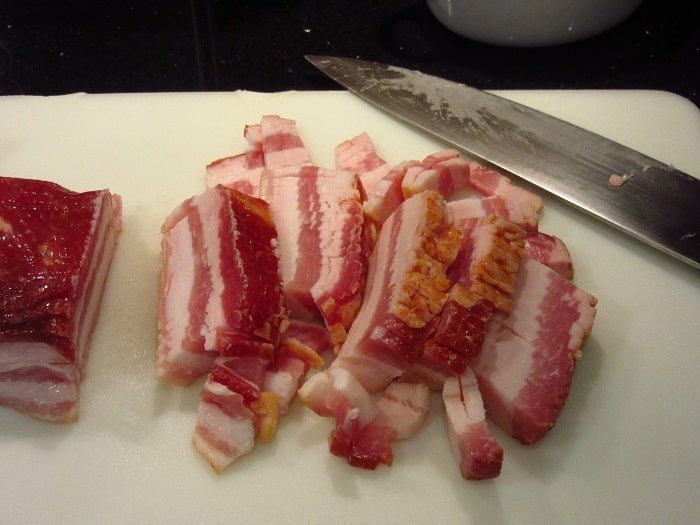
pixel 623 451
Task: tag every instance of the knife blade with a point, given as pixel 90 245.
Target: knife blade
pixel 652 201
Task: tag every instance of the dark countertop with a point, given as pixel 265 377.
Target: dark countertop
pixel 49 48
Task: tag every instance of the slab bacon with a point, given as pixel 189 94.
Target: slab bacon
pixel 56 246
pixel 359 155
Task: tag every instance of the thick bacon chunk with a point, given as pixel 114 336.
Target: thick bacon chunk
pixel 407 287
pixel 56 246
pixel 482 277
pixel 477 452
pixel 527 361
pixel 220 290
pixel 519 212
pixel 324 243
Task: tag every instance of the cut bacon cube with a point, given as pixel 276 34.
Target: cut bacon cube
pixel 445 172
pixel 527 362
pixel 324 243
pixel 518 212
pixel 478 453
pixel 56 246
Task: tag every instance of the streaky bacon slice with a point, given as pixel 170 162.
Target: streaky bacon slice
pixel 240 172
pixel 56 246
pixel 550 251
pixel 359 155
pixel 474 447
pixel 281 143
pixel 526 365
pixel 489 182
pixel 324 243
pixel 482 279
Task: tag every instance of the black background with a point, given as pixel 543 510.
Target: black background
pixel 49 48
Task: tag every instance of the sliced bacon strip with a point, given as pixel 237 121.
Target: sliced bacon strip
pixel 359 155
pixel 477 452
pixel 324 243
pixel 56 247
pixel 527 361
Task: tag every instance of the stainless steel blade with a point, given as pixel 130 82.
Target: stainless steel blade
pixel 656 204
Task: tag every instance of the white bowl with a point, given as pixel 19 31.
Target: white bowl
pixel 530 23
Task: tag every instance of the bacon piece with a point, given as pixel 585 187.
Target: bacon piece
pixel 225 427
pixel 281 144
pixel 445 172
pixel 407 287
pixel 403 408
pixel 489 182
pixel 527 361
pixel 240 172
pixel 515 211
pixel 478 453
pixel 387 195
pixel 482 277
pixel 56 246
pixel 359 155
pixel 220 287
pixel 324 243
pixel 550 251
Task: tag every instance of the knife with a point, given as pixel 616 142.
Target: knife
pixel 643 197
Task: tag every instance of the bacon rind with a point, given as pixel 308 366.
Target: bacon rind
pixel 65 241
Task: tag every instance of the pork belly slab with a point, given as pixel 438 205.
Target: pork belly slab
pixel 527 361
pixel 56 246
